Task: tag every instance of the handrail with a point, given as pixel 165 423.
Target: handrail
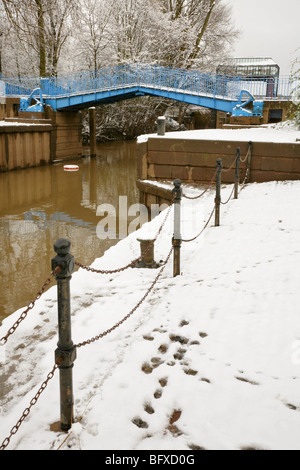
pixel 155 76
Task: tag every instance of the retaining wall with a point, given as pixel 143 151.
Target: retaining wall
pixel 23 146
pixel 33 139
pixel 194 161
pixel 66 138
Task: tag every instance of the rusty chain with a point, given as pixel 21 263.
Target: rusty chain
pixel 11 331
pixel 24 315
pixel 213 178
pixel 133 263
pixel 117 325
pixel 226 170
pixel 50 376
pixel 247 158
pixel 204 228
pixel 243 160
pixel 244 183
pixel 224 203
pixel 204 192
pixel 27 411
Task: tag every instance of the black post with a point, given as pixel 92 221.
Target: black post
pixel 177 238
pixel 218 192
pixel 65 355
pixel 237 174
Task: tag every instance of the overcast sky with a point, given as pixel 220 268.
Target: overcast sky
pixel 269 28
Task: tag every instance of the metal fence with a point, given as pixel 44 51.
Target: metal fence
pixel 154 76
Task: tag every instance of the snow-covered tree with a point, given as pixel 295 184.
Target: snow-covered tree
pixel 50 37
pixel 294 114
pixel 199 33
pixel 176 33
pixel 91 21
pixel 40 27
pixel 135 26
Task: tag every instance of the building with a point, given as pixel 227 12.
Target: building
pixel 251 67
pixel 253 71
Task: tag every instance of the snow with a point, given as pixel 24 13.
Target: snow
pixel 287 133
pixel 217 349
pixel 22 124
pixel 255 61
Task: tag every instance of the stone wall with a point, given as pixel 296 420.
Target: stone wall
pixel 195 160
pixel 66 138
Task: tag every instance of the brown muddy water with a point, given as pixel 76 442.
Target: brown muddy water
pixel 40 205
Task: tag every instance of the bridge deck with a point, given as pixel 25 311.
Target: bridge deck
pixel 84 89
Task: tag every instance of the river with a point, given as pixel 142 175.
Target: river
pixel 40 205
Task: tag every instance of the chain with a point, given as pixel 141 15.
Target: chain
pixel 50 376
pixel 205 191
pixel 3 341
pixel 133 263
pixel 224 203
pixel 232 165
pixel 204 228
pixel 243 160
pixel 248 156
pixel 27 411
pixel 244 183
pixel 107 332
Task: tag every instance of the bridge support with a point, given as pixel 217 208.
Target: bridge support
pixel 93 135
pixel 66 138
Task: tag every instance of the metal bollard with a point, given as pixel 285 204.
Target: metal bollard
pixel 218 192
pixel 161 125
pixel 65 355
pixel 147 255
pixel 237 174
pixel 177 238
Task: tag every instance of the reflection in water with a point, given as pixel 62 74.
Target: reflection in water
pixel 40 205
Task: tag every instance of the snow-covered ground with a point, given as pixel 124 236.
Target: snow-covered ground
pixel 210 360
pixel 286 132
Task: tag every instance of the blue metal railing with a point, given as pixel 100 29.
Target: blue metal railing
pixel 20 86
pixel 154 76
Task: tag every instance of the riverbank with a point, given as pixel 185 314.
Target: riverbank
pixel 210 360
pixel 285 132
pixel 269 153
pixel 24 144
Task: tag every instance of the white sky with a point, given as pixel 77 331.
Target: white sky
pixel 269 28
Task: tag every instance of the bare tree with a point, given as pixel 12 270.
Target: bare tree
pixel 4 31
pixel 42 25
pixel 58 29
pixel 200 30
pixel 133 25
pixel 92 20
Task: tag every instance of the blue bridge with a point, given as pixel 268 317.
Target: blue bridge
pixel 236 95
